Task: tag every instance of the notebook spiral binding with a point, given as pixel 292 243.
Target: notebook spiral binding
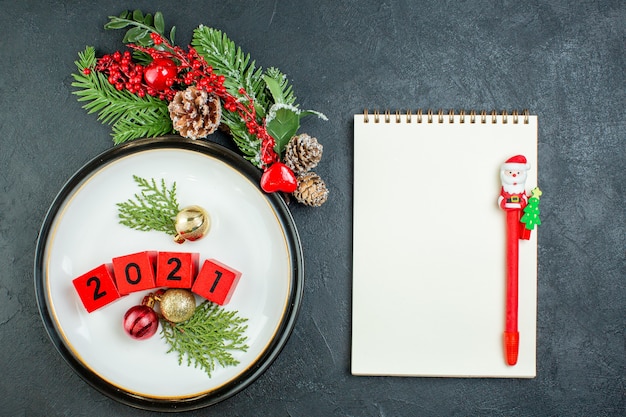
pixel 440 117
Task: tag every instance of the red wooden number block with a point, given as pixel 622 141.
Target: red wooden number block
pixel 176 269
pixel 216 282
pixel 134 272
pixel 96 288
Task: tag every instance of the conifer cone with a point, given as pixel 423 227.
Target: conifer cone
pixel 311 190
pixel 302 153
pixel 195 113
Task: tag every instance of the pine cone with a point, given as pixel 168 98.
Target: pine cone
pixel 311 190
pixel 302 153
pixel 195 113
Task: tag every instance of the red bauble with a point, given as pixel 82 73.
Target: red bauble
pixel 279 177
pixel 141 322
pixel 160 73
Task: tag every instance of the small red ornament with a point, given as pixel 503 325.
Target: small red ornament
pixel 141 322
pixel 160 73
pixel 279 177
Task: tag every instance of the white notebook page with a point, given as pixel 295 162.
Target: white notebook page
pixel 429 248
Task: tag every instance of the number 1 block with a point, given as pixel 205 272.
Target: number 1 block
pixel 134 272
pixel 176 269
pixel 96 288
pixel 216 282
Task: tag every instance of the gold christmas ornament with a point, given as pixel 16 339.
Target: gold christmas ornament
pixel 311 190
pixel 195 113
pixel 191 223
pixel 177 304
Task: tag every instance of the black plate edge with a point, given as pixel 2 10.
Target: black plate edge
pixel 284 330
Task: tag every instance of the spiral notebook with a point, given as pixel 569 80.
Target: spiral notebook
pixel 429 245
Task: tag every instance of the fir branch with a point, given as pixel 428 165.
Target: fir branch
pixel 229 60
pixel 113 106
pixel 155 208
pixel 207 338
pixel 141 124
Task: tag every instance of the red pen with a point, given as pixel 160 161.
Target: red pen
pixel 512 199
pixel 511 333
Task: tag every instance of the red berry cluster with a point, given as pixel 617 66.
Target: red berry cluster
pixel 123 73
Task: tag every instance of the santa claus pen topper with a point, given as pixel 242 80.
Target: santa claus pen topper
pixel 514 200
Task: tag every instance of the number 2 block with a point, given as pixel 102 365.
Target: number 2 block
pixel 134 272
pixel 216 282
pixel 176 269
pixel 96 288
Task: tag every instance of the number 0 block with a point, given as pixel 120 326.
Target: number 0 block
pixel 176 269
pixel 134 272
pixel 96 288
pixel 216 282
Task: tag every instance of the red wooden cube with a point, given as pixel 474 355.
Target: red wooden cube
pixel 216 282
pixel 134 272
pixel 96 288
pixel 176 269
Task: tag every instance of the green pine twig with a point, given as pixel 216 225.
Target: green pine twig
pixel 155 208
pixel 208 338
pixel 240 72
pixel 148 115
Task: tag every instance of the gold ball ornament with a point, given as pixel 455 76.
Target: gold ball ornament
pixel 177 305
pixel 192 223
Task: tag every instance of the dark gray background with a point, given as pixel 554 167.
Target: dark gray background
pixel 562 60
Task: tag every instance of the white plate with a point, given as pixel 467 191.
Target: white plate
pixel 251 231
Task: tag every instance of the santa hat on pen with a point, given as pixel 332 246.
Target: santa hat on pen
pixel 516 163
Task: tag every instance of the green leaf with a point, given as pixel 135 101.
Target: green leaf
pixel 172 34
pixel 134 34
pixel 159 22
pixel 282 124
pixel 274 87
pixel 137 15
pixel 279 86
pixel 115 23
pixel 148 20
pixel 144 40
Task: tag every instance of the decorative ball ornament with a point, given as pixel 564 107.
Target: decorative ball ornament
pixel 191 223
pixel 176 304
pixel 141 322
pixel 160 73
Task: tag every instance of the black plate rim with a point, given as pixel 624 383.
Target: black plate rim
pixel 295 293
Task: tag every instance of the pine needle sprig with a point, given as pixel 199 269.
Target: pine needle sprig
pixel 241 72
pixel 155 208
pixel 208 338
pixel 118 108
pixel 144 123
pixel 229 60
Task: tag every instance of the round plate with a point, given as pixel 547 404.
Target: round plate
pixel 251 231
